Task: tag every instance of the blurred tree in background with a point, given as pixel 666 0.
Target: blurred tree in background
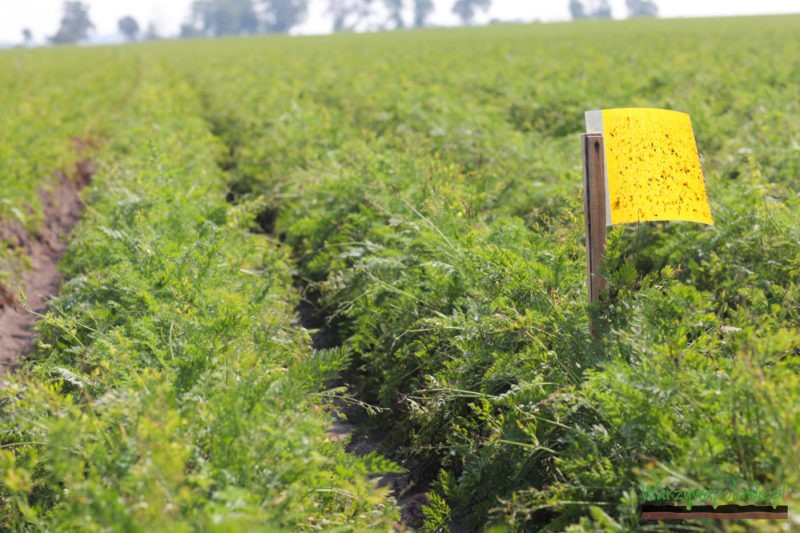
pixel 641 8
pixel 422 11
pixel 216 18
pixel 576 10
pixel 590 9
pixel 75 24
pixel 151 33
pixel 283 15
pixel 395 8
pixel 467 9
pixel 348 15
pixel 128 27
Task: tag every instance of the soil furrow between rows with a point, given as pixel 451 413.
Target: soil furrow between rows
pixel 39 280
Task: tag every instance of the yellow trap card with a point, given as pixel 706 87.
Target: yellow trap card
pixel 652 166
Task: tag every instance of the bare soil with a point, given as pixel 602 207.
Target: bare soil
pixel 350 423
pixel 62 208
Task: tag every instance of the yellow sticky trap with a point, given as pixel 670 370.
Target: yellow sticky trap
pixel 652 166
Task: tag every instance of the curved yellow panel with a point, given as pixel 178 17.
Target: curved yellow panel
pixel 652 167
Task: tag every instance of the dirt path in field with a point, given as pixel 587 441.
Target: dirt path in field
pixel 351 421
pixel 62 209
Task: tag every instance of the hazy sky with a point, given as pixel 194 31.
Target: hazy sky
pixel 42 16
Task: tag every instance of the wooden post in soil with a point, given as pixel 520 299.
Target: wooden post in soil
pixel 594 200
pixel 652 173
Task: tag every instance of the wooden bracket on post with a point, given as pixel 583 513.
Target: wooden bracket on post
pixel 594 198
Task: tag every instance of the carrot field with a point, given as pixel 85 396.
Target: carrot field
pixel 277 226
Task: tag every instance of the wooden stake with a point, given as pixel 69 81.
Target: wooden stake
pixel 594 199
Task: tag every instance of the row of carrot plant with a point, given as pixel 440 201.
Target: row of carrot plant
pixel 170 389
pixel 428 184
pixel 423 190
pixel 45 114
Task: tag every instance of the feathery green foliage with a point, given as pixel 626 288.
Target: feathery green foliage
pixel 429 185
pixel 170 388
pixel 426 189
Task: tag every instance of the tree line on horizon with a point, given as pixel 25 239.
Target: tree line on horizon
pixel 217 18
